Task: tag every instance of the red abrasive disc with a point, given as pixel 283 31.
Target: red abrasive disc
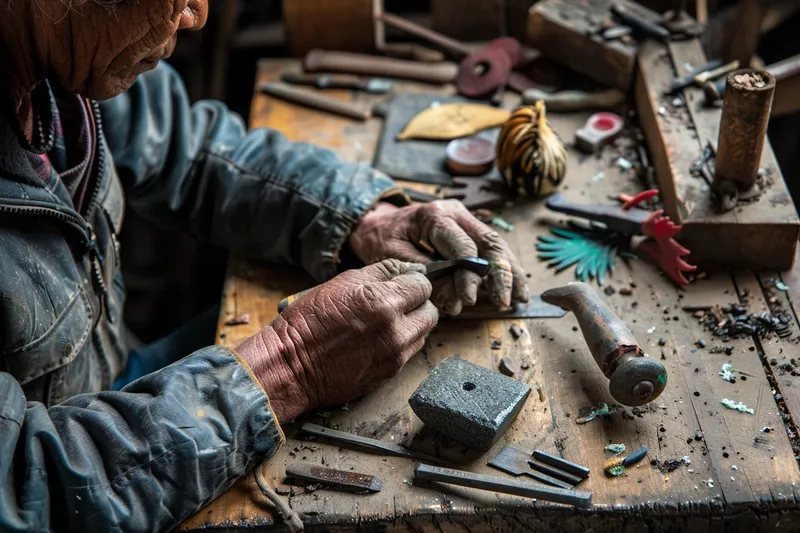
pixel 482 72
pixel 512 48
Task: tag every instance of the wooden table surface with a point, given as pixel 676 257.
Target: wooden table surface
pixel 740 477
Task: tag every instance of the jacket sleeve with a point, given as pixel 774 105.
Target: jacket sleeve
pixel 196 168
pixel 139 460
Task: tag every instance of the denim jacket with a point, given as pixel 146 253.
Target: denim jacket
pixel 74 455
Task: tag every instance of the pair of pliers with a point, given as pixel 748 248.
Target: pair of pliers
pixel 631 220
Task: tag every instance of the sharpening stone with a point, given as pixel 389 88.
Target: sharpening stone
pixel 468 403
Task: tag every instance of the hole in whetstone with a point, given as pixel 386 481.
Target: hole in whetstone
pixel 468 386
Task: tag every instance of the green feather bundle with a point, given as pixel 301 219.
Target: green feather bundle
pixel 590 247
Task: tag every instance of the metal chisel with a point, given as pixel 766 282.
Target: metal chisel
pixel 434 271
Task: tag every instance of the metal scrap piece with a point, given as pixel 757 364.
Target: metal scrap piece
pixel 370 444
pixel 336 479
pixel 506 486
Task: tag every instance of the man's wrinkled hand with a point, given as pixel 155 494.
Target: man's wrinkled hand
pixel 343 339
pixel 446 225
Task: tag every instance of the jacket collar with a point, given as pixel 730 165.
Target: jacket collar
pixel 19 184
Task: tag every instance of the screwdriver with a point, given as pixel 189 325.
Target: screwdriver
pixel 433 271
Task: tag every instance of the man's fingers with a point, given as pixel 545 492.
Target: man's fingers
pixel 507 277
pixel 409 291
pixel 408 252
pixel 445 298
pixel 388 269
pixel 453 242
pixel 419 323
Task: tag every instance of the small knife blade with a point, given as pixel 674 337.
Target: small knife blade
pixel 338 479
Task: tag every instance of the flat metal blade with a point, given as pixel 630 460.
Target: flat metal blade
pixel 515 462
pixel 339 479
pixel 535 308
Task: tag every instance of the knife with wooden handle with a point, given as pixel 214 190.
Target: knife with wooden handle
pixel 315 100
pixel 369 65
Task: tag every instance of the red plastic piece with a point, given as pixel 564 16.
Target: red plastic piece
pixel 639 198
pixel 661 244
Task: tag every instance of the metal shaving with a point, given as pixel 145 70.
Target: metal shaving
pixel 727 372
pixel 502 224
pixel 616 470
pixel 616 449
pixel 742 408
pixel 734 321
pixel 593 414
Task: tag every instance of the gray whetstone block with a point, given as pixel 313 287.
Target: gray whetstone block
pixel 468 403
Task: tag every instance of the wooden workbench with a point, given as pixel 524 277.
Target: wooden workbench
pixel 740 477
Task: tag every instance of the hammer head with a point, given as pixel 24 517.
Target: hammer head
pixel 468 403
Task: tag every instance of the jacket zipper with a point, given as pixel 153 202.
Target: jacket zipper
pixel 85 229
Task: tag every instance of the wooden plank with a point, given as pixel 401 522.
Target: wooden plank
pixel 567 30
pixel 346 25
pixel 759 235
pixel 469 20
pixel 562 369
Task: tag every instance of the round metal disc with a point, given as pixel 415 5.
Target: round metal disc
pixel 482 72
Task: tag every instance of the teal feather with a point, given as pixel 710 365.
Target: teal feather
pixel 590 248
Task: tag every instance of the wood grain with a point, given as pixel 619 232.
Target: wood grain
pixel 706 494
pixel 568 31
pixel 761 235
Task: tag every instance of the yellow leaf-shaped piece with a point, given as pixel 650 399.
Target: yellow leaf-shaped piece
pixel 452 120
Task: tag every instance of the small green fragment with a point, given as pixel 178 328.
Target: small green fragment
pixel 593 414
pixel 616 470
pixel 324 414
pixel 742 408
pixel 781 286
pixel 502 224
pixel 616 449
pixel 599 176
pixel 727 372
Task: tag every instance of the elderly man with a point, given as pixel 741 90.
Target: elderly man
pixel 76 455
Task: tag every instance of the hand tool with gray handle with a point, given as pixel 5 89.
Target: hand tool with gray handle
pixel 326 81
pixel 315 101
pixel 635 379
pixel 506 486
pixel 368 65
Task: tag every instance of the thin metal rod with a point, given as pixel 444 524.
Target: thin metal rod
pixel 561 463
pixel 506 486
pixel 367 443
